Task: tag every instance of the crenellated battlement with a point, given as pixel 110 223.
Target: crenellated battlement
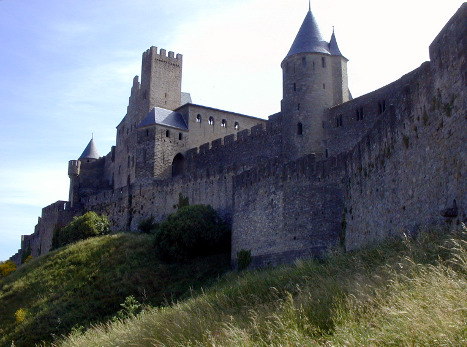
pixel 74 167
pixel 162 56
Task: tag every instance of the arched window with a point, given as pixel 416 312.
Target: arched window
pixel 167 133
pixel 224 123
pixel 178 165
pixel 299 129
pixel 236 126
pixel 211 121
pixel 198 118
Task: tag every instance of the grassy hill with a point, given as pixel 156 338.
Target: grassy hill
pixel 88 281
pixel 411 292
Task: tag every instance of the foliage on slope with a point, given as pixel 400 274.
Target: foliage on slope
pixel 401 293
pixel 87 282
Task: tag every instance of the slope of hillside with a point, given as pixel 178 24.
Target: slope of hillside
pixel 411 292
pixel 88 281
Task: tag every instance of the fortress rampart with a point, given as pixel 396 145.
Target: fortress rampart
pixel 383 164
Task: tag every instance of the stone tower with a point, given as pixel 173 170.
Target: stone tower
pixel 314 79
pixel 161 80
pixel 89 155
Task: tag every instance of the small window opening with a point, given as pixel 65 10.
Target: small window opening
pixel 359 113
pixel 382 106
pixel 295 87
pixel 224 123
pixel 147 132
pixel 211 121
pixel 236 126
pixel 323 61
pixel 167 133
pixel 180 136
pixel 298 107
pixel 324 86
pixel 304 61
pixel 299 129
pixel 339 122
pixel 128 164
pixel 327 153
pixel 198 118
pixel 313 66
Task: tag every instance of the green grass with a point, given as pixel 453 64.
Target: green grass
pixel 86 282
pixel 402 293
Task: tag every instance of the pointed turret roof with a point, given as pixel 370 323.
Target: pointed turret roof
pixel 90 152
pixel 309 39
pixel 333 47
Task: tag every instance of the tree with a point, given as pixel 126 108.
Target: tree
pixel 6 268
pixel 192 231
pixel 88 225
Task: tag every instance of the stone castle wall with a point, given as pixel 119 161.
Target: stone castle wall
pixel 394 161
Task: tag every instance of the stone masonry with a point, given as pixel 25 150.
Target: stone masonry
pixel 326 171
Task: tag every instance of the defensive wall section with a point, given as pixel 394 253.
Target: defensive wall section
pixel 284 211
pixel 55 215
pixel 409 171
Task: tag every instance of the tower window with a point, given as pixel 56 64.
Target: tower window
pixel 298 107
pixel 324 86
pixel 236 126
pixel 359 113
pixel 295 87
pixel 198 118
pixel 147 132
pixel 339 122
pixel 167 133
pixel 211 121
pixel 224 123
pixel 323 61
pixel 304 61
pixel 180 136
pixel 382 106
pixel 299 129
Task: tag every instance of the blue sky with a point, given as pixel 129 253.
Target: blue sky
pixel 66 69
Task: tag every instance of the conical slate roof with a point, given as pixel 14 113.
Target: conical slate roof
pixel 309 39
pixel 333 47
pixel 90 152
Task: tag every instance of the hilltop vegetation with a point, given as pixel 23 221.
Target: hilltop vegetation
pixel 86 282
pixel 401 293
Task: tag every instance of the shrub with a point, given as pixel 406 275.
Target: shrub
pixel 147 225
pixel 88 225
pixel 20 315
pixel 6 268
pixel 244 259
pixel 192 231
pixel 25 255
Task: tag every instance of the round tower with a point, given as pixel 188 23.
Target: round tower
pixel 312 74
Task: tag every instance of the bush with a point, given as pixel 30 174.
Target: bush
pixel 6 268
pixel 192 231
pixel 88 225
pixel 147 226
pixel 244 259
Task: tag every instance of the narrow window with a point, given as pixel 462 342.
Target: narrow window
pixel 128 164
pixel 340 120
pixel 298 107
pixel 198 118
pixel 381 106
pixel 313 66
pixel 236 126
pixel 180 136
pixel 299 129
pixel 324 86
pixel 323 61
pixel 359 113
pixel 147 132
pixel 294 87
pixel 167 133
pixel 211 121
pixel 304 61
pixel 224 123
pixel 327 153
